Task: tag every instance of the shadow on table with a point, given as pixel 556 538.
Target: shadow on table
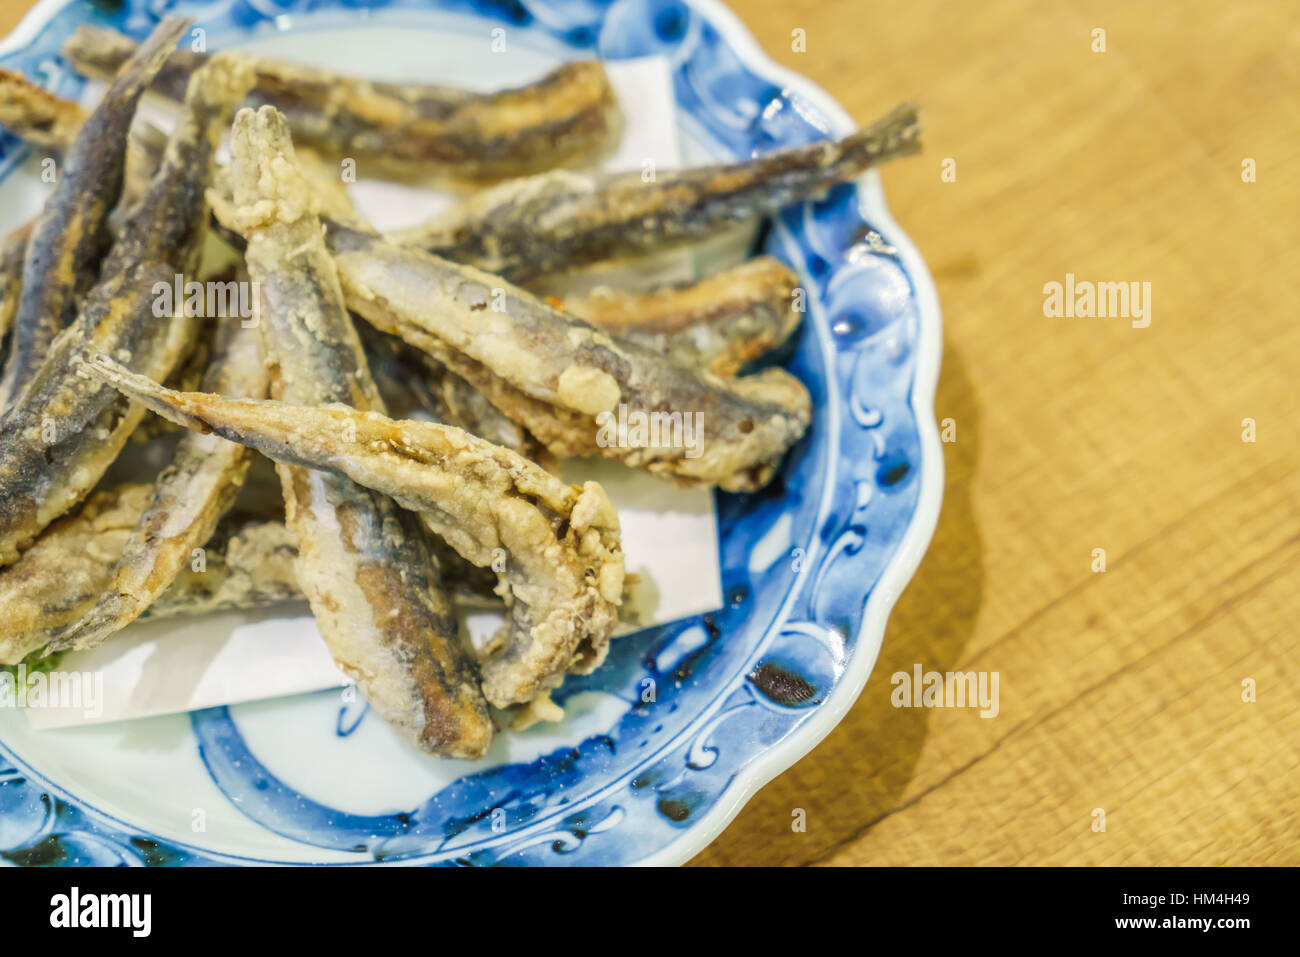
pixel 856 775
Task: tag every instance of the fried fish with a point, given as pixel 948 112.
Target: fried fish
pixel 71 234
pixel 717 324
pixel 51 125
pixel 364 563
pixel 61 576
pixel 444 396
pixel 12 252
pixel 38 116
pixel 556 546
pixel 191 495
pixel 249 564
pixel 66 429
pixel 544 224
pixel 570 113
pixel 569 384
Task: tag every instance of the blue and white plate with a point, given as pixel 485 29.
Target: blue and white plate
pixel 811 565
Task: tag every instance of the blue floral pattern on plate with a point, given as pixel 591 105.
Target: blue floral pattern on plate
pixel 811 565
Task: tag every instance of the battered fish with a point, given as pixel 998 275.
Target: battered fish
pixel 51 124
pixel 38 116
pixel 11 274
pixel 717 324
pixel 249 565
pixel 556 221
pixel 364 563
pixel 71 234
pixel 59 578
pixel 570 113
pixel 556 545
pixel 191 496
pixel 570 385
pixel 443 395
pixel 56 442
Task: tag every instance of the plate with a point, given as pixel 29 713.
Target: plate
pixel 662 746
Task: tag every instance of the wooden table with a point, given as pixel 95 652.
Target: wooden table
pixel 1120 690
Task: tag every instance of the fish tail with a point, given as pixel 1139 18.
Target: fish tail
pixel 897 133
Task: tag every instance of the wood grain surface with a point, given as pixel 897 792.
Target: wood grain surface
pixel 1121 691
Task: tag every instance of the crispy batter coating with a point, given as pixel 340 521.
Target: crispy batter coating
pixel 12 252
pixel 191 496
pixel 717 324
pixel 443 395
pixel 51 124
pixel 65 430
pixel 569 114
pixel 57 442
pixel 563 564
pixel 71 234
pixel 545 224
pixel 38 116
pixel 568 383
pixel 364 563
pixel 60 577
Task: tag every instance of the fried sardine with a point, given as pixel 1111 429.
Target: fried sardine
pixel 555 546
pixel 568 114
pixel 364 563
pixel 569 384
pixel 71 234
pixel 192 494
pixel 66 429
pixel 545 224
pixel 60 578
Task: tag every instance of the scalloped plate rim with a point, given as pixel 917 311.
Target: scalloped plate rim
pixel 902 566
